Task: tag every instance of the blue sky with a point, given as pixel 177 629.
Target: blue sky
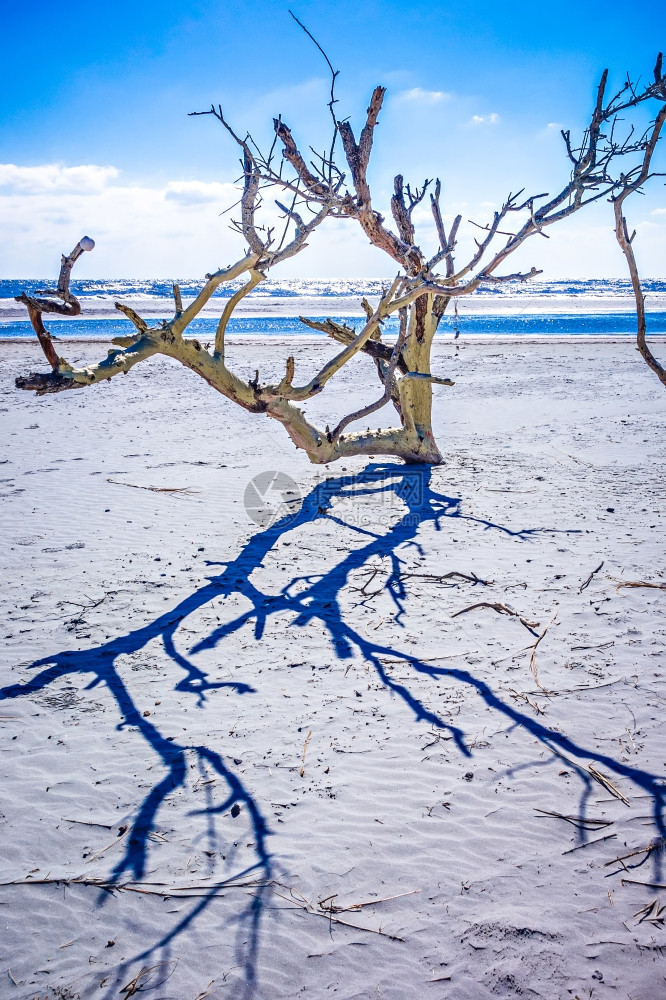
pixel 95 135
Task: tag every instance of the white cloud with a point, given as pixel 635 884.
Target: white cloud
pixel 418 95
pixel 139 229
pixel 52 178
pixel 491 119
pixel 198 192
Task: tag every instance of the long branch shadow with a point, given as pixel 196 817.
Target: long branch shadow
pixel 305 599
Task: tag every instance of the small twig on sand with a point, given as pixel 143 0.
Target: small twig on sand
pixel 86 822
pixel 650 885
pixel 334 908
pixel 656 845
pixel 122 833
pixel 607 783
pixel 302 903
pixel 533 662
pixel 156 489
pixel 501 609
pixel 639 583
pixel 92 604
pixel 593 773
pixel 176 891
pixel 580 821
pixel 519 696
pixel 438 577
pixel 653 913
pixel 589 579
pixel 305 747
pixel 588 843
pixel 141 980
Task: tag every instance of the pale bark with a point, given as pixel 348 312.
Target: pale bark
pixel 631 184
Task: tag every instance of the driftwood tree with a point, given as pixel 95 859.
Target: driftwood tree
pixel 630 182
pixel 603 165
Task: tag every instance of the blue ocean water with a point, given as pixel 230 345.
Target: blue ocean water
pixel 548 325
pixel 98 296
pixel 118 288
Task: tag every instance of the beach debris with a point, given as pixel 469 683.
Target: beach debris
pixel 501 609
pixel 305 749
pixel 182 490
pixel 149 978
pixel 639 583
pixel 203 890
pixel 533 663
pixel 520 696
pixel 440 577
pixel 589 843
pixel 583 822
pixel 603 779
pixel 122 833
pixel 658 844
pixel 587 582
pixel 652 913
pixel 329 912
pixel 649 885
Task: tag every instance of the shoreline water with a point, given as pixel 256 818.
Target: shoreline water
pixel 306 339
pixel 343 305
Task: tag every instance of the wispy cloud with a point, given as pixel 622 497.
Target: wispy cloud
pixel 418 95
pixel 199 192
pixel 53 178
pixel 491 119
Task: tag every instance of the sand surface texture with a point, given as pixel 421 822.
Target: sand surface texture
pixel 255 760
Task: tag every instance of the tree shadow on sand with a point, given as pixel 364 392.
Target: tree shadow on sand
pixel 304 599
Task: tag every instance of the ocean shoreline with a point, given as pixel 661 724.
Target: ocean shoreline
pixel 441 338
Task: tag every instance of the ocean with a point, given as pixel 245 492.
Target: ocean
pixel 537 308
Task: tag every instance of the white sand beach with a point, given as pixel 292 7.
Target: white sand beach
pixel 259 761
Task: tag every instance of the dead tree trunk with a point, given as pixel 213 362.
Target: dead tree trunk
pixel 418 296
pixel 634 181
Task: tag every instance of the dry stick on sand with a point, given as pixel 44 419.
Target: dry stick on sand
pixel 305 747
pixel 533 662
pixel 155 489
pixel 501 609
pixel 334 908
pixel 593 773
pixel 447 576
pixel 588 843
pixel 656 845
pixel 653 913
pixel 176 891
pixel 589 579
pixel 581 821
pixel 137 986
pixel 638 583
pixel 650 885
pixel 304 904
pixel 435 577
